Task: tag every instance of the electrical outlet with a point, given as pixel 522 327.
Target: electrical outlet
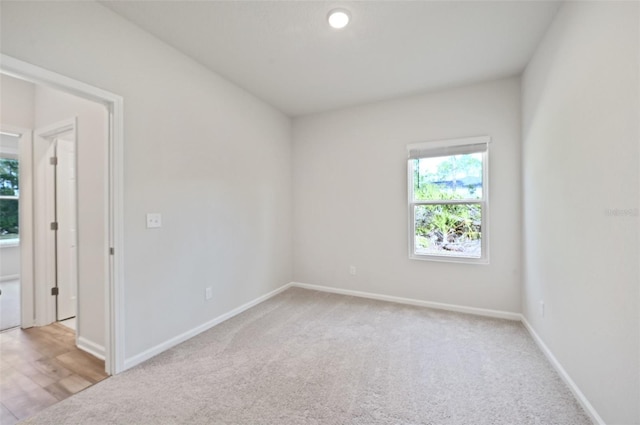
pixel 154 220
pixel 352 270
pixel 541 308
pixel 208 293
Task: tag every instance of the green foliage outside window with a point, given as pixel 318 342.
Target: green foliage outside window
pixel 448 227
pixel 9 204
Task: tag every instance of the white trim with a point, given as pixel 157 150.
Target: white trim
pixel 115 329
pixel 154 351
pixel 474 140
pixel 27 241
pixel 114 275
pixel 9 133
pixel 9 243
pixel 58 129
pixel 35 74
pixel 91 347
pixel 9 277
pixel 484 259
pixel 410 301
pixel 584 402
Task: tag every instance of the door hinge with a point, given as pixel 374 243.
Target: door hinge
pixel 53 160
pixel 54 225
pixel 111 251
pixel 54 291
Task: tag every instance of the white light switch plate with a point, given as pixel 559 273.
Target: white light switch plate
pixel 154 220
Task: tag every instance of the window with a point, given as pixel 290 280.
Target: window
pixel 9 199
pixel 448 200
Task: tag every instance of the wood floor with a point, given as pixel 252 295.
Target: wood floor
pixel 39 367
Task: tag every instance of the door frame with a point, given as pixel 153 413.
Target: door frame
pixel 114 229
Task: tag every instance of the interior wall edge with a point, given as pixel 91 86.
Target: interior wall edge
pixel 91 347
pixel 170 343
pixel 498 314
pixel 579 395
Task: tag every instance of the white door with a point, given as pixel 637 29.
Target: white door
pixel 65 190
pixel 55 228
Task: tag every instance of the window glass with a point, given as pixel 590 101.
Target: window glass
pixel 9 199
pixel 449 230
pixel 448 177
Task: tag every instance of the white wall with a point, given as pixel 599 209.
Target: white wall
pixel 580 159
pixel 350 187
pixel 16 102
pixel 213 159
pixel 9 261
pixel 51 107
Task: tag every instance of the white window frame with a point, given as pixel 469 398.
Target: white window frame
pixel 479 144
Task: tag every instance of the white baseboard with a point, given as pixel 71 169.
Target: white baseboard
pixel 9 277
pixel 584 402
pixel 91 347
pixel 154 351
pixel 440 306
pixel 591 411
pixel 98 351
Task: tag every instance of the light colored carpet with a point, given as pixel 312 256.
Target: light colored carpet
pixel 307 357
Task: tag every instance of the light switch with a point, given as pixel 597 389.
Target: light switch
pixel 154 220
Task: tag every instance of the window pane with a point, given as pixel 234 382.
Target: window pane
pixel 8 218
pixel 9 207
pixel 447 177
pixel 450 230
pixel 9 177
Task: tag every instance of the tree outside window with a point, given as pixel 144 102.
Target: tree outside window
pixel 447 199
pixel 9 199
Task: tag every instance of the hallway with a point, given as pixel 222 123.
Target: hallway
pixel 41 366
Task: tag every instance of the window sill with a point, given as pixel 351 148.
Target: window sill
pixel 447 259
pixel 9 243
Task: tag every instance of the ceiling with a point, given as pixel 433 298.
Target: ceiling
pixel 285 52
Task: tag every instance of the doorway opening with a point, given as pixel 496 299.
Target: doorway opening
pixel 56 205
pixel 44 308
pixel 68 218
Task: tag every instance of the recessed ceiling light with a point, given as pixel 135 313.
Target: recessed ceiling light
pixel 338 18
